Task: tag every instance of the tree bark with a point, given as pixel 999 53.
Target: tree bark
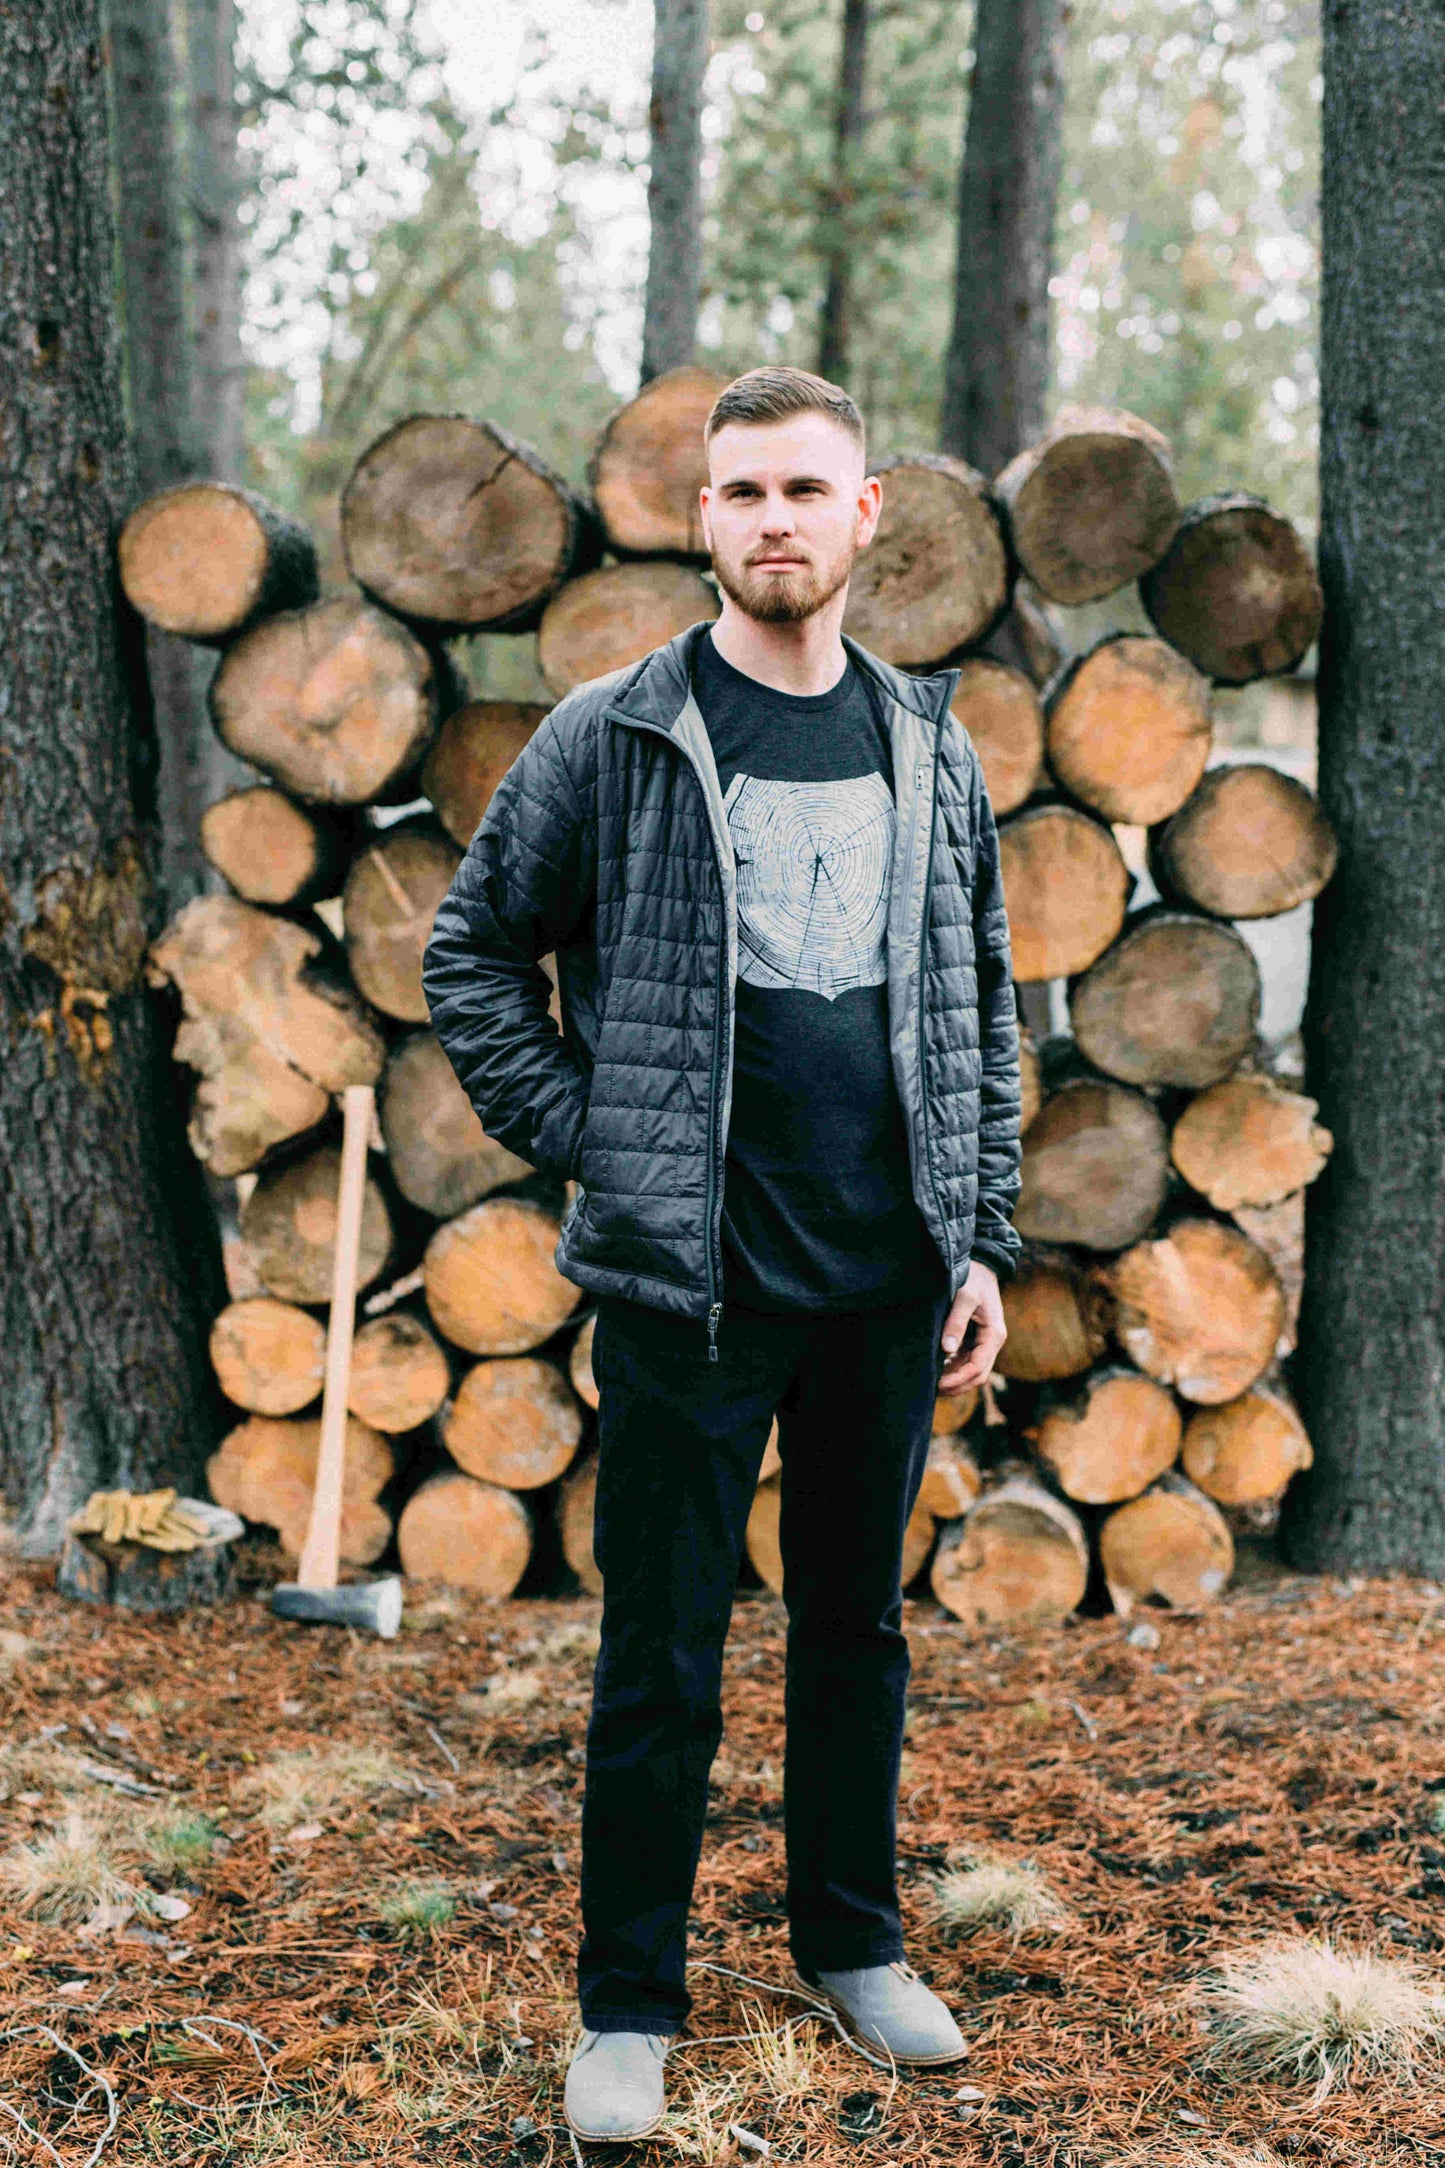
pixel 1375 1017
pixel 214 175
pixel 674 186
pixel 996 371
pixel 163 410
pixel 836 325
pixel 109 1265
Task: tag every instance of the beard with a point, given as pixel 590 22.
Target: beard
pixel 785 598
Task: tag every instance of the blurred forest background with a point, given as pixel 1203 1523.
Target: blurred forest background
pixel 445 209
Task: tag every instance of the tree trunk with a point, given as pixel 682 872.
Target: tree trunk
pixel 1372 1328
pixel 996 371
pixel 839 240
pixel 215 196
pixel 109 1264
pixel 674 186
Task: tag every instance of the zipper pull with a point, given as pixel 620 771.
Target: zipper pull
pixel 712 1319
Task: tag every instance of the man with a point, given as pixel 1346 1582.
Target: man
pixel 788 1087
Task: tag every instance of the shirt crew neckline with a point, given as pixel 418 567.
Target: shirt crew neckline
pixel 798 703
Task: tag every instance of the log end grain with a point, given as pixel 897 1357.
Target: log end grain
pixel 1235 591
pixel 205 558
pixel 935 576
pixel 1200 1308
pixel 440 1156
pixel 473 750
pixel 1066 889
pixel 1018 1559
pixel 492 1285
pixel 465 1534
pixel 1250 842
pixel 576 1514
pixel 1112 1438
pixel 265 1470
pixel 951 1481
pixel 1171 1546
pixel 579 1364
pixel 650 464
pixel 289 1224
pixel 391 898
pixel 1246 1452
pixel 1057 1313
pixel 514 1421
pixel 399 1374
pixel 1175 1001
pixel 1129 728
pixel 269 1356
pixel 1095 1167
pixel 1092 506
pixel 266 847
pixel 953 1412
pixel 1247 1141
pixel 608 619
pixel 1001 712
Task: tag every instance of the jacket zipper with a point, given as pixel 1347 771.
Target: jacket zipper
pixel 922 1012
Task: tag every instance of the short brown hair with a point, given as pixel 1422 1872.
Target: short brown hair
pixel 771 395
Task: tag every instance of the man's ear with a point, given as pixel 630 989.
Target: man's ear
pixel 704 500
pixel 870 507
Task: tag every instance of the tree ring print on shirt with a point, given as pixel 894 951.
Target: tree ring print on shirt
pixel 813 868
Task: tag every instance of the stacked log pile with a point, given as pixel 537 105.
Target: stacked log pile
pixel 1142 1416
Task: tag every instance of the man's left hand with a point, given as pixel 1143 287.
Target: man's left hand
pixel 973 1331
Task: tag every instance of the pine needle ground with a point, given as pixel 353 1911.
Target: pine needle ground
pixel 1273 1769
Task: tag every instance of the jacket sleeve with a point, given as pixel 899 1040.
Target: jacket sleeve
pixel 999 1158
pixel 527 882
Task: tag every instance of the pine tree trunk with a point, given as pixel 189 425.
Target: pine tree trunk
pixel 162 404
pixel 996 371
pixel 215 192
pixel 1372 1326
pixel 674 187
pixel 109 1265
pixel 835 329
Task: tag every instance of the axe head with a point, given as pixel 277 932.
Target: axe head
pixel 375 1606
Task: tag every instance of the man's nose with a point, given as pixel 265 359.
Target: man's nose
pixel 778 515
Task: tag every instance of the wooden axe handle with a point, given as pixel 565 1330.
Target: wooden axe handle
pixel 321 1552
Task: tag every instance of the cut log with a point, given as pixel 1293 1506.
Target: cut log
pixel 951 1481
pixel 1001 711
pixel 1129 729
pixel 206 560
pixel 614 617
pixel 474 748
pixel 465 1534
pixel 399 1374
pixel 1030 636
pixel 1031 1081
pixel 1249 843
pixel 1057 1313
pixel 1110 1438
pixel 1175 1001
pixel 1017 1559
pixel 462 528
pixel 764 1546
pixel 491 1284
pixel 952 1412
pixel 1248 1142
pixel 935 576
pixel 1066 889
pixel 269 1356
pixel 579 1364
pixel 265 1470
pixel 390 900
pixel 1246 1452
pixel 650 463
pixel 336 702
pixel 576 1514
pixel 272 1030
pixel 1235 591
pixel 514 1421
pixel 1200 1308
pixel 289 1224
pixel 1172 1546
pixel 1091 506
pixel 1095 1167
pixel 269 849
pixel 1279 1230
pixel 442 1158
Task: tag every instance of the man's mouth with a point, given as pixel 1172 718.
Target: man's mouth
pixel 777 564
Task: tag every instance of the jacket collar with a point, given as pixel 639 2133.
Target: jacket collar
pixel 655 690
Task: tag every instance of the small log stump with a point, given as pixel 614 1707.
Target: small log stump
pixel 289 1225
pixel 390 900
pixel 269 1357
pixel 1246 1452
pixel 951 1481
pixel 1247 1141
pixel 440 1155
pixel 137 1578
pixel 205 559
pixel 270 850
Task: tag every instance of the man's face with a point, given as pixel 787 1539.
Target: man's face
pixel 787 510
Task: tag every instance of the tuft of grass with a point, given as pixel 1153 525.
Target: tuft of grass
pixel 179 1842
pixel 418 1908
pixel 514 1689
pixel 1012 1894
pixel 784 2058
pixel 299 1787
pixel 15 1648
pixel 64 1877
pixel 1304 2010
pixel 574 1638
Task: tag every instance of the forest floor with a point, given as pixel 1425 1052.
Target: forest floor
pixel 377 1846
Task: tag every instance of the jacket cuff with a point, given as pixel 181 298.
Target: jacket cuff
pixel 1000 1261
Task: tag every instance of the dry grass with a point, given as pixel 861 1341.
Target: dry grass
pixel 782 2059
pixel 514 1690
pixel 1010 1894
pixel 1309 2012
pixel 299 1787
pixel 67 1876
pixel 418 1908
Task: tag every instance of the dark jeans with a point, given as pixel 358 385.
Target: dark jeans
pixel 681 1440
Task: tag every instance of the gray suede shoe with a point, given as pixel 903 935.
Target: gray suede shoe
pixel 614 2085
pixel 888 2007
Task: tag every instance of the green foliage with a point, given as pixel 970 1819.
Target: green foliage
pixel 418 1908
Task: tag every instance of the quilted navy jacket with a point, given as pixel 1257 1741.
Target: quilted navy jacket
pixel 607 843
